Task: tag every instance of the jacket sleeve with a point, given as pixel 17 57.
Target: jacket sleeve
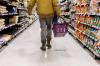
pixel 56 7
pixel 31 4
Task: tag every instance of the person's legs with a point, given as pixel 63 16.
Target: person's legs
pixel 49 31
pixel 43 33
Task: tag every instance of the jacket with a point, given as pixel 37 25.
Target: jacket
pixel 44 7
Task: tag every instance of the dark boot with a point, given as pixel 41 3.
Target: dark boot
pixel 43 47
pixel 48 43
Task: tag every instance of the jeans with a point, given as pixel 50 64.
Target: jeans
pixel 46 29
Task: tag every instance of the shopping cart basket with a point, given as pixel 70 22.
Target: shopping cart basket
pixel 60 27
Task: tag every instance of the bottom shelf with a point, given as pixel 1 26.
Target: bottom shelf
pixel 90 49
pixel 19 31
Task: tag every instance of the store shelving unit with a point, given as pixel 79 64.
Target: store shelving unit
pixel 13 20
pixel 65 10
pixel 86 25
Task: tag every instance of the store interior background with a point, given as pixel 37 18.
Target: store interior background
pixel 20 38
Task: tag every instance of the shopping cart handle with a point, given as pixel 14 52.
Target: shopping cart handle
pixel 62 18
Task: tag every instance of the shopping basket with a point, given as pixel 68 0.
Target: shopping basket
pixel 60 27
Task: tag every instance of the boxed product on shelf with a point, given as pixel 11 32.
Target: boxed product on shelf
pixel 98 34
pixel 82 36
pixel 22 12
pixel 90 20
pixel 1 39
pixel 3 9
pixel 81 2
pixel 77 33
pixel 91 32
pixel 13 20
pixel 96 21
pixel 95 6
pixel 82 9
pixel 97 47
pixel 12 9
pixel 6 37
pixel 25 3
pixel 15 3
pixel 90 43
pixel 2 23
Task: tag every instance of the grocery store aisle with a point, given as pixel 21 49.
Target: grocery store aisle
pixel 25 51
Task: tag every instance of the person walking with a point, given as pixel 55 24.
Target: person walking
pixel 45 10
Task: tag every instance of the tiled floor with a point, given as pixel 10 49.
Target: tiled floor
pixel 25 51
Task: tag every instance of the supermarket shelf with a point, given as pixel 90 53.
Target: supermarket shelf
pixel 21 23
pixel 64 13
pixel 88 35
pixel 16 34
pixel 12 13
pixel 12 5
pixel 73 11
pixel 91 37
pixel 22 16
pixel 2 43
pixel 22 9
pixel 82 14
pixel 8 14
pixel 98 14
pixel 6 3
pixel 84 4
pixel 25 21
pixel 71 30
pixel 94 52
pixel 91 25
pixel 81 41
pixel 78 30
pixel 71 33
pixel 88 14
pixel 64 3
pixel 76 37
pixel 7 27
pixel 71 26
